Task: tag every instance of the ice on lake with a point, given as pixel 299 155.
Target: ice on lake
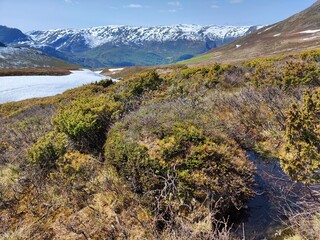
pixel 15 88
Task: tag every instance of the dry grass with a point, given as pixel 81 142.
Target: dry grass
pixel 36 71
pixel 20 233
pixel 126 72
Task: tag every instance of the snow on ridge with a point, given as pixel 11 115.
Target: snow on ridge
pixel 268 28
pixel 97 36
pixel 13 51
pixel 310 31
pixel 311 38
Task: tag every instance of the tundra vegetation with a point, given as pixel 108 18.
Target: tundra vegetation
pixel 160 154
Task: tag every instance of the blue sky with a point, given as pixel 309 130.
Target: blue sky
pixel 51 14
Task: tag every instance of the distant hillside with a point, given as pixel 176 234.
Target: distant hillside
pixel 293 35
pixel 129 46
pixel 11 57
pixel 12 35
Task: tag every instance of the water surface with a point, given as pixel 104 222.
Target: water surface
pixel 274 193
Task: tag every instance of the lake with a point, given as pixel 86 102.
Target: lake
pixel 16 88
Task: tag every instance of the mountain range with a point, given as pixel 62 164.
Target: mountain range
pixel 126 45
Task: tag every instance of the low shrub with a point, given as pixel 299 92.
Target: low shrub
pixel 181 168
pixel 86 119
pixel 47 150
pixel 104 83
pixel 301 151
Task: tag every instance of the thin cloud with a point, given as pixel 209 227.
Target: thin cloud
pixel 176 3
pixel 133 5
pixel 215 6
pixel 71 1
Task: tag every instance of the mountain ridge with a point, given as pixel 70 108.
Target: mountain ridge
pixel 97 36
pixel 123 45
pixel 12 35
pixel 295 34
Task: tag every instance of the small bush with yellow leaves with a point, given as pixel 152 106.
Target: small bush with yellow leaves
pixel 47 150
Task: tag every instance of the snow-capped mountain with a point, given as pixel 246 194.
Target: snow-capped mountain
pixel 125 45
pixel 97 36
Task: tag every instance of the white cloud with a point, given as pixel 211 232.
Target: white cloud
pixel 175 3
pixel 133 5
pixel 214 6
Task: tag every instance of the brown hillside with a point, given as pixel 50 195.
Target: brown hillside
pixel 297 33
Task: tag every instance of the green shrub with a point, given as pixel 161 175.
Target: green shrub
pixel 301 151
pixel 47 150
pixel 86 119
pixel 181 166
pixel 286 71
pixel 104 83
pixel 296 73
pixel 138 84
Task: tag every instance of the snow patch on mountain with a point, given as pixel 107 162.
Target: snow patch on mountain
pixel 311 38
pixel 310 31
pixel 23 57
